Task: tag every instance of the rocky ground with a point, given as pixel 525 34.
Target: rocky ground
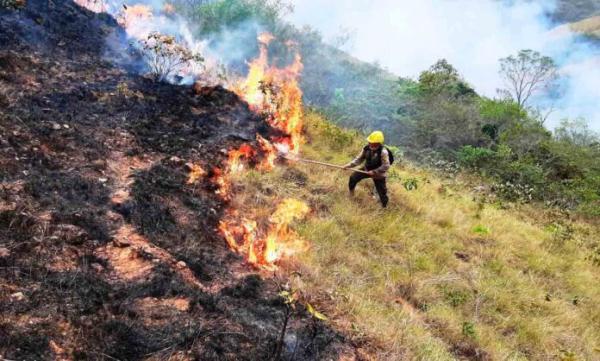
pixel 107 251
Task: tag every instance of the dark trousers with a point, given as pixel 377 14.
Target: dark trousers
pixel 379 185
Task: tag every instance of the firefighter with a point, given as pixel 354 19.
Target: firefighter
pixel 377 159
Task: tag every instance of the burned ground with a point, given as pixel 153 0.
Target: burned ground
pixel 106 250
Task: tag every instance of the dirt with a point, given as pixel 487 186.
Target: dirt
pixel 107 251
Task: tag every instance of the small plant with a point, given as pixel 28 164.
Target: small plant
pixel 481 229
pixel 468 330
pixel 166 56
pixel 411 184
pixel 456 298
pixel 289 296
pixel 314 313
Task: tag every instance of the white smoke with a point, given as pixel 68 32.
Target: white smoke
pixel 210 71
pixel 406 37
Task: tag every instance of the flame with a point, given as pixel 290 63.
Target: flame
pixel 221 180
pixel 245 152
pixel 196 172
pixel 264 248
pixel 275 92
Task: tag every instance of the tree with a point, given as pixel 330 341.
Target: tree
pixel 526 74
pixel 576 131
pixel 443 77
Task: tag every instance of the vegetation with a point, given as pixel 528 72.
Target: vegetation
pixel 444 272
pixel 527 74
pixel 574 10
pixel 437 119
pixel 165 55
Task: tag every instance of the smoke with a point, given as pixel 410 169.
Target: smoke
pixel 406 37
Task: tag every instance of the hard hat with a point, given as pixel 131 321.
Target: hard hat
pixel 376 137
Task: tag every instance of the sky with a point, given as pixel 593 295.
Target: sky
pixel 407 36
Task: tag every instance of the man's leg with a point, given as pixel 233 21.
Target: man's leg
pixel 354 179
pixel 381 190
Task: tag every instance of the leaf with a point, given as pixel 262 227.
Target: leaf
pixel 316 314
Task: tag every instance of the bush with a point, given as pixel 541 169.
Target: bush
pixel 474 157
pixel 166 56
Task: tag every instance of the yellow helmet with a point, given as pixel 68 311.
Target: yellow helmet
pixel 376 137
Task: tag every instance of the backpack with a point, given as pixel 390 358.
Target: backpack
pixel 390 153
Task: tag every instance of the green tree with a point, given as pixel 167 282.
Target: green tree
pixel 442 77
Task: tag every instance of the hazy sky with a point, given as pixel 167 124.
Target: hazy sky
pixel 408 36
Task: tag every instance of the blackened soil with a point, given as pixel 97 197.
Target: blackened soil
pixel 106 251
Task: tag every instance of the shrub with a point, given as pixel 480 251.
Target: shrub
pixel 475 157
pixel 166 56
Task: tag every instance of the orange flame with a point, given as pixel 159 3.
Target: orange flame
pixel 275 93
pixel 196 172
pixel 278 242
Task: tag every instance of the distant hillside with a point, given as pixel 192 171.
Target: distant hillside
pixel 568 11
pixel 589 26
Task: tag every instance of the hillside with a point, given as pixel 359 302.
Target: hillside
pixel 142 220
pixel 589 26
pixel 568 11
pixel 109 248
pixel 448 271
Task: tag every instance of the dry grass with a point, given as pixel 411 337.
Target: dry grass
pixel 439 275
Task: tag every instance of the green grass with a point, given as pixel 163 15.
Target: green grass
pixel 438 275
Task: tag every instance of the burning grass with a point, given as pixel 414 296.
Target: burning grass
pixel 417 281
pixel 109 246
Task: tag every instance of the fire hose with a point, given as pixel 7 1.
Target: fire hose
pixel 298 159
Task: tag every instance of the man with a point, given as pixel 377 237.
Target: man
pixel 377 162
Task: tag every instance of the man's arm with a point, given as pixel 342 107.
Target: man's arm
pixel 358 160
pixel 385 163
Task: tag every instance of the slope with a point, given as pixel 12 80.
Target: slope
pixel 108 249
pixel 447 272
pixel 589 26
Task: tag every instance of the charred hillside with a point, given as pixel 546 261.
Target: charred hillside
pixel 108 250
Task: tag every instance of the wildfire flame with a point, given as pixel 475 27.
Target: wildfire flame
pixel 196 172
pixel 263 250
pixel 275 92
